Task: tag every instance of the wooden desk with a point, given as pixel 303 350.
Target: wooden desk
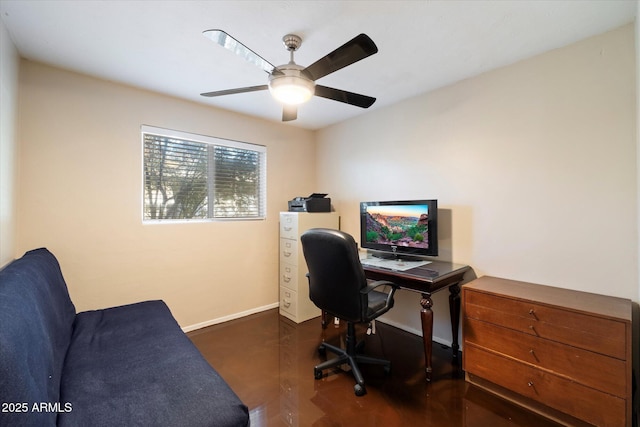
pixel 427 280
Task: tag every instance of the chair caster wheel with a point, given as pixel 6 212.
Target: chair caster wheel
pixel 360 390
pixel 317 373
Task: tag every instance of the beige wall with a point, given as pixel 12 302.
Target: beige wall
pixel 636 334
pixel 637 27
pixel 534 166
pixel 80 195
pixel 9 61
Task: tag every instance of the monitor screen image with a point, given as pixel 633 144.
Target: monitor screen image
pixel 400 227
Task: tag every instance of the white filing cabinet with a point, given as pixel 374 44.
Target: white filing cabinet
pixel 294 287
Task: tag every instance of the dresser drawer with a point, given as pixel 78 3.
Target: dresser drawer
pixel 289 225
pixel 580 330
pixel 289 251
pixel 584 403
pixel 582 366
pixel 289 276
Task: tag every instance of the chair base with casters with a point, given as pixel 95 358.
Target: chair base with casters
pixel 349 356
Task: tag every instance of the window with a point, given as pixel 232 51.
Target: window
pixel 197 177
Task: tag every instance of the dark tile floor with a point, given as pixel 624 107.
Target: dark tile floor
pixel 268 361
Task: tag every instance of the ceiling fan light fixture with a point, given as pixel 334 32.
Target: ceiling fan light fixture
pixel 291 90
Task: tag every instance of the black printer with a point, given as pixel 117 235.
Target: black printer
pixel 317 202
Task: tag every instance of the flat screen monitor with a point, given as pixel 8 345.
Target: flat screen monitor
pixel 394 229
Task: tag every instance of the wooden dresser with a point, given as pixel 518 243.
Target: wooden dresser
pixel 562 353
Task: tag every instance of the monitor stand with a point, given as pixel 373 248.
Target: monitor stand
pixel 395 256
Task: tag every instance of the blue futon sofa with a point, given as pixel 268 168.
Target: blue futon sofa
pixel 122 366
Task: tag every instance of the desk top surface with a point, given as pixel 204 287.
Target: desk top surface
pixel 425 278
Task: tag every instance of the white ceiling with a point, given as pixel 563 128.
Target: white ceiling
pixel 423 45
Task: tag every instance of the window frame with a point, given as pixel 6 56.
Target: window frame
pixel 213 141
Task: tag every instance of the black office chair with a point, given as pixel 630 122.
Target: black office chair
pixel 338 286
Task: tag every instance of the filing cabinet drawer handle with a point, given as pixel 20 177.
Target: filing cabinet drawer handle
pixel 288 228
pixel 287 303
pixel 286 278
pixel 287 254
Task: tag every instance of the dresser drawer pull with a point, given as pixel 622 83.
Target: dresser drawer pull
pixel 534 355
pixel 533 313
pixel 530 383
pixel 533 330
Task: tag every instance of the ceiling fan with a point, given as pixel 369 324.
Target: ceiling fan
pixel 292 84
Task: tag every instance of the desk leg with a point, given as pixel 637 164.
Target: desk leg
pixel 426 315
pixel 454 311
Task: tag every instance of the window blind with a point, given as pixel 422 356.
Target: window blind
pixel 189 176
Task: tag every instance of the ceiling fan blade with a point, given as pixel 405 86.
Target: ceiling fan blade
pixel 232 91
pixel 339 95
pixel 352 51
pixel 228 42
pixel 289 113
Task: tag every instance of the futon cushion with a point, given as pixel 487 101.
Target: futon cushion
pixel 133 365
pixel 36 320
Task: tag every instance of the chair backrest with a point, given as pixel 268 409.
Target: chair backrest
pixel 335 273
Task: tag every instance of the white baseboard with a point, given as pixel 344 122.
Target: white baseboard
pixel 229 317
pixel 234 316
pixel 413 331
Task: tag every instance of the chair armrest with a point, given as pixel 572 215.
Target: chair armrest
pixel 389 300
pixel 371 286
